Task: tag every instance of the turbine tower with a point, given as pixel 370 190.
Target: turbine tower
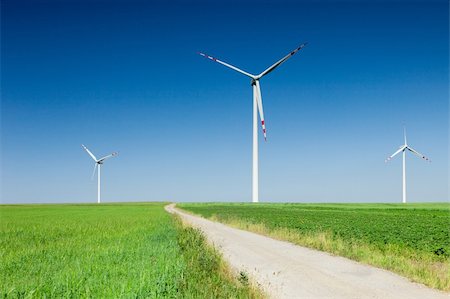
pixel 98 162
pixel 257 107
pixel 403 149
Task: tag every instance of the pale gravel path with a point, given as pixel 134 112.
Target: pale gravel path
pixel 284 270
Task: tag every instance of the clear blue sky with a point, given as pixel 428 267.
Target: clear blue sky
pixel 125 76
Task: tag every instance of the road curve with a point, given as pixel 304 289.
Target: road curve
pixel 285 270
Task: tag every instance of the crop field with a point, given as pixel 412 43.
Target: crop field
pixel 108 251
pixel 412 240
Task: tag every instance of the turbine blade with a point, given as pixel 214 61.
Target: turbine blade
pixel 107 157
pixel 276 64
pixel 89 152
pixel 404 134
pixel 260 108
pixel 418 154
pixel 227 65
pixel 396 153
pixel 93 172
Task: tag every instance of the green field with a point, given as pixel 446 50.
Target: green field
pixel 108 251
pixel 412 240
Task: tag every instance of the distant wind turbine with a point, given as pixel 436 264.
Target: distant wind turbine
pixel 257 105
pixel 403 149
pixel 98 162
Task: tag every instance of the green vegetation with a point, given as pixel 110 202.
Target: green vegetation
pixel 412 240
pixel 108 251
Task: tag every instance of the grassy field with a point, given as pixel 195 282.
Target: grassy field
pixel 108 251
pixel 412 240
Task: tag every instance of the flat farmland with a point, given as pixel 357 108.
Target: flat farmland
pixel 412 240
pixel 108 251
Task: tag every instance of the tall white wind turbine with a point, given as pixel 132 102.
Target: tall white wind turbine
pixel 98 163
pixel 257 106
pixel 403 149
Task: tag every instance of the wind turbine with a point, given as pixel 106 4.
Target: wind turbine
pixel 403 149
pixel 98 162
pixel 257 106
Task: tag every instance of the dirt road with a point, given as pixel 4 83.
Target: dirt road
pixel 284 270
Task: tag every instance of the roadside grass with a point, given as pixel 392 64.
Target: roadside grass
pixel 213 278
pixel 411 240
pixel 108 251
